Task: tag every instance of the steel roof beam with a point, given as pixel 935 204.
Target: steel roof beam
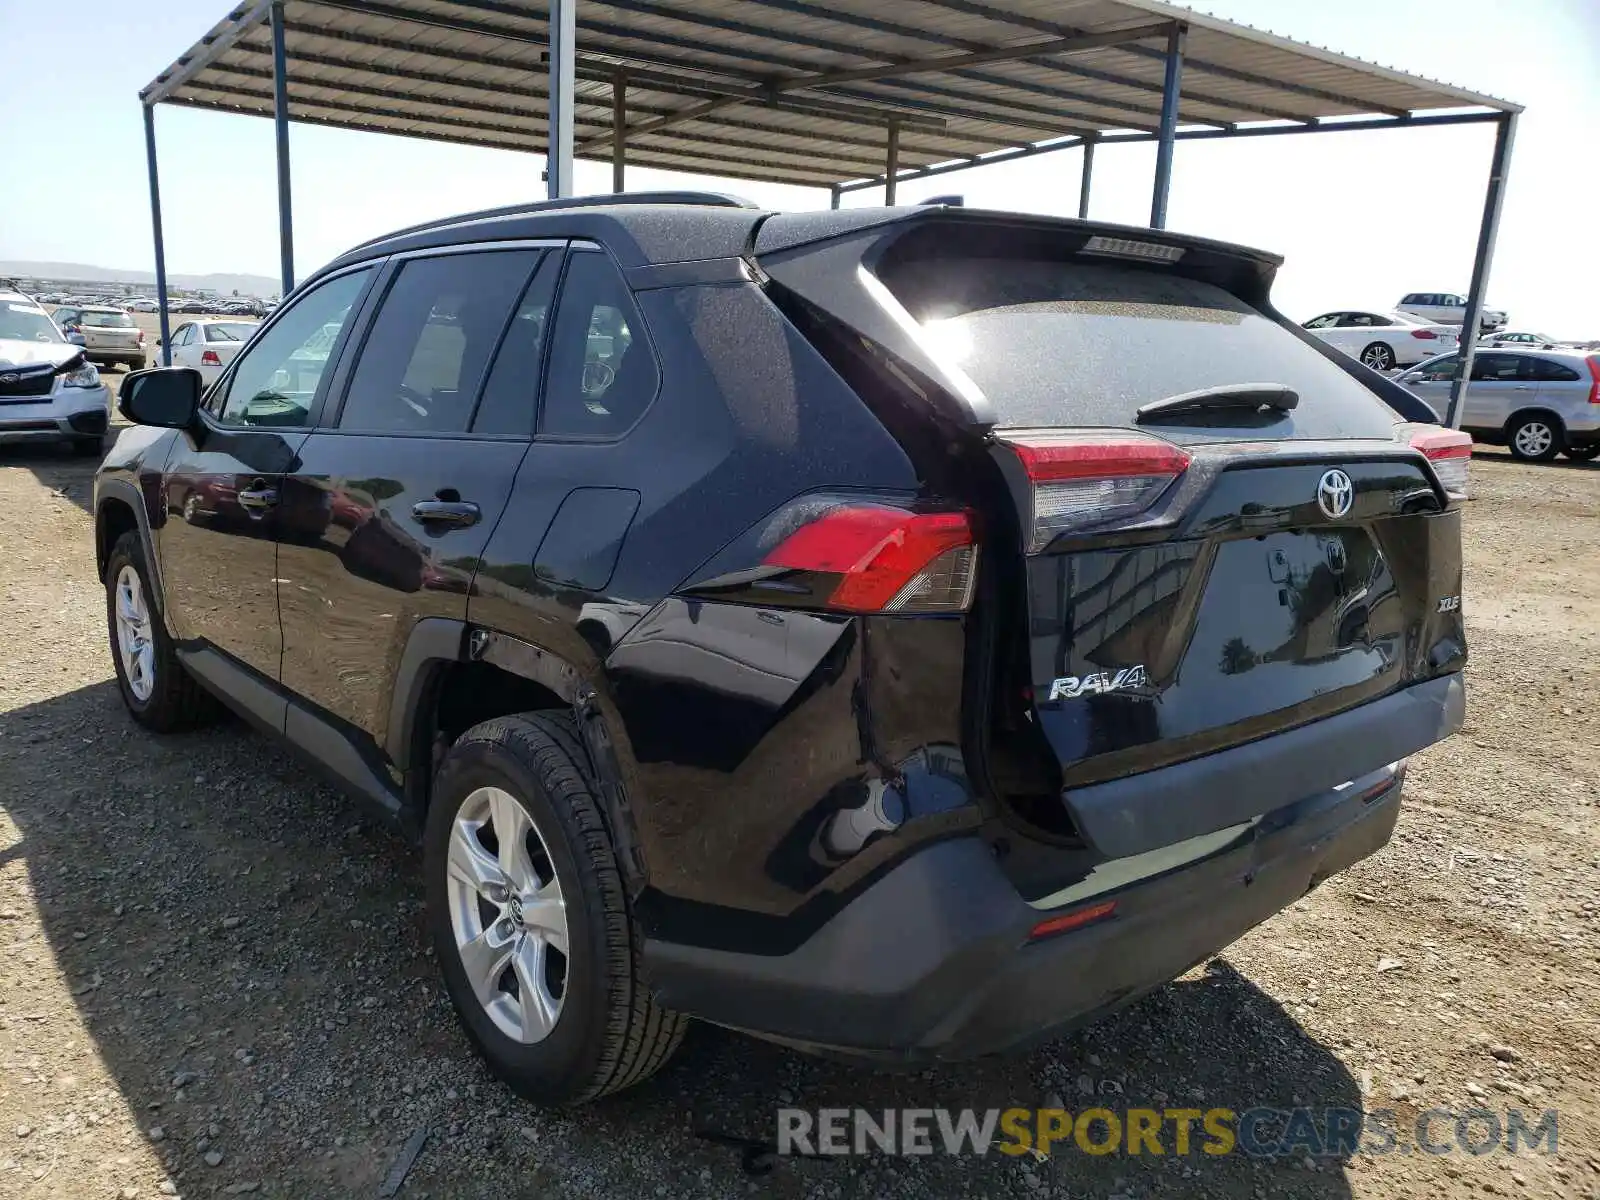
pixel 1186 135
pixel 298 84
pixel 535 146
pixel 186 69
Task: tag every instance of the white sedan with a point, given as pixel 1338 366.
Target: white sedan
pixel 1384 341
pixel 209 346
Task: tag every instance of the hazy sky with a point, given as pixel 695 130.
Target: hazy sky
pixel 1361 217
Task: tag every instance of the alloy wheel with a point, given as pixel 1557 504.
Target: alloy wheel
pixel 508 915
pixel 1534 438
pixel 135 636
pixel 1379 358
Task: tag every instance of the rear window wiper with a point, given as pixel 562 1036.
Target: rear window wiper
pixel 1252 396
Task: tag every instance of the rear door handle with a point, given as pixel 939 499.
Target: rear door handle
pixel 258 498
pixel 456 513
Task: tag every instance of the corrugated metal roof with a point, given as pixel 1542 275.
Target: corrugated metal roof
pixel 793 91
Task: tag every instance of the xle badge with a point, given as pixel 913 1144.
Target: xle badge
pixel 1098 683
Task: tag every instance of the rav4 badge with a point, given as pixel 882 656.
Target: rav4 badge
pixel 1098 683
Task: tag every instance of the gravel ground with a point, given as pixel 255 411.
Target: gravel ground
pixel 214 977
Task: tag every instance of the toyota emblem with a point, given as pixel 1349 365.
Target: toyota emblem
pixel 1335 494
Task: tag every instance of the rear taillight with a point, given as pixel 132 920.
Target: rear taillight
pixel 141 337
pixel 1426 335
pixel 208 358
pixel 1594 373
pixel 1449 450
pixel 879 558
pixel 1085 479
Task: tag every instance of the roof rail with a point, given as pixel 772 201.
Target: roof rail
pixel 606 200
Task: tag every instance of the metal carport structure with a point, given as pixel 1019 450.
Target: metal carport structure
pixel 843 95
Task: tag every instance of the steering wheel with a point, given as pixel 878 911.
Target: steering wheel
pixel 597 377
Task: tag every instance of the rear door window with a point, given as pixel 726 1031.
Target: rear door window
pixel 1496 368
pixel 429 347
pixel 1055 343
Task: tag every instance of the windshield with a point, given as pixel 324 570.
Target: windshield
pixel 1056 343
pixel 27 323
pixel 106 320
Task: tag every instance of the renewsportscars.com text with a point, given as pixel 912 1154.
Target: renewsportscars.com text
pixel 1258 1132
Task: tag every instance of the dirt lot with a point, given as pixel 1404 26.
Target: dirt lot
pixel 214 977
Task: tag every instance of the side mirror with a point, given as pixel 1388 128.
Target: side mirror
pixel 165 396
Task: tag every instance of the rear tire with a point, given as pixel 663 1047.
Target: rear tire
pixel 1582 453
pixel 1379 356
pixel 159 693
pixel 529 774
pixel 1534 438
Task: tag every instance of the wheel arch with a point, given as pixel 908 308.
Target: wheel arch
pixel 1534 410
pixel 454 675
pixel 119 508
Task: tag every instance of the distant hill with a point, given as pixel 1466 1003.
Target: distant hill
pixel 251 285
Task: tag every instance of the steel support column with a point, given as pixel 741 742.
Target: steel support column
pixel 280 121
pixel 1499 166
pixel 833 196
pixel 619 127
pixel 1169 125
pixel 563 77
pixel 1086 180
pixel 892 166
pixel 155 223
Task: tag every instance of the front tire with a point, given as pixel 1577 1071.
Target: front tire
pixel 1535 439
pixel 1379 356
pixel 159 693
pixel 530 919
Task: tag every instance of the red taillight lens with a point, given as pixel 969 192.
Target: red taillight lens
pixel 888 559
pixel 1076 919
pixel 1449 450
pixel 141 337
pixel 1594 373
pixel 208 358
pixel 1084 479
pixel 1426 335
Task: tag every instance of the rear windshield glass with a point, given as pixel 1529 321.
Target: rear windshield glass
pixel 107 320
pixel 1086 343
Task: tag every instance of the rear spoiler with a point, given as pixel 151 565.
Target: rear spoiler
pixel 829 264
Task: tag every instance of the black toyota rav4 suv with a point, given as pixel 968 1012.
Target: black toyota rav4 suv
pixel 899 632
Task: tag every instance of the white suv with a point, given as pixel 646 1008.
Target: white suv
pixel 49 391
pixel 1448 308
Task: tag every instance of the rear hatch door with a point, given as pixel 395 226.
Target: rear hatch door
pixel 1191 579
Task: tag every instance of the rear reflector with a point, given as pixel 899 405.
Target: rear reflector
pixel 1449 450
pixel 1076 919
pixel 889 560
pixel 1084 479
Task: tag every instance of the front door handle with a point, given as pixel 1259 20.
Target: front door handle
pixel 455 513
pixel 257 499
